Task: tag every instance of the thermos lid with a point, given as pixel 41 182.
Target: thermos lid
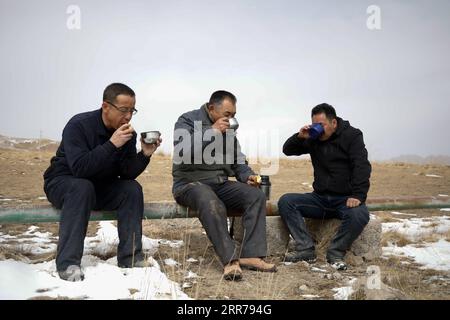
pixel 265 180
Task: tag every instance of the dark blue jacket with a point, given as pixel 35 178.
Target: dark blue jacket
pixel 340 163
pixel 86 152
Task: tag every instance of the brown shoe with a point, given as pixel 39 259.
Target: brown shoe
pixel 232 271
pixel 257 264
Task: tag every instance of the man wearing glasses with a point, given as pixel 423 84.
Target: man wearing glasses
pixel 95 168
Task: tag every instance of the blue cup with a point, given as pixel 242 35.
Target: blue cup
pixel 315 131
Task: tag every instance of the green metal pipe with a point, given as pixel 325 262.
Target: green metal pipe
pixel 171 210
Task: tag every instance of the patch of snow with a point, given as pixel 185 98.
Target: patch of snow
pixel 445 209
pixel 343 293
pixel 103 279
pixel 433 176
pixel 173 244
pixel 170 262
pixel 6 236
pixel 437 278
pixel 403 214
pixel 190 275
pixel 435 255
pixel 192 260
pixel 443 195
pixel 310 296
pixel 414 228
pixel 314 269
pixel 106 240
pixel 33 242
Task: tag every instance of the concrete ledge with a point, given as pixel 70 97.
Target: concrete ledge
pixel 366 248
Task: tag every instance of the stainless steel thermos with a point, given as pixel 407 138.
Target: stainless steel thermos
pixel 265 186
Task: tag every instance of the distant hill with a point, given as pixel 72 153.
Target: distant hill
pixel 51 145
pixel 28 144
pixel 411 158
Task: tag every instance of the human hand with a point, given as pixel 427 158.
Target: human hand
pixel 254 180
pixel 222 124
pixel 304 132
pixel 122 135
pixel 352 202
pixel 149 148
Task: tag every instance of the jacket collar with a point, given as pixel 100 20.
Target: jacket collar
pixel 341 126
pixel 206 113
pixel 101 128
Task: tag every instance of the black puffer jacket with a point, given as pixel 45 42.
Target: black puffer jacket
pixel 340 163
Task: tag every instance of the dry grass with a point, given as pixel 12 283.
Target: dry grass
pixel 411 280
pixel 15 253
pixel 11 250
pixel 209 283
pixel 435 237
pixel 386 217
pixel 394 238
pixel 410 283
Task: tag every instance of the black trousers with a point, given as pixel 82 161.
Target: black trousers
pixel 293 207
pixel 77 197
pixel 212 200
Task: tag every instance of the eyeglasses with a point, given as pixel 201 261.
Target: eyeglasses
pixel 133 111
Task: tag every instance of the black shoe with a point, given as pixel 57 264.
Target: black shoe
pixel 338 264
pixel 296 256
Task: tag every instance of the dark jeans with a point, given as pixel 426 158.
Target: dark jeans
pixel 212 200
pixel 77 197
pixel 293 207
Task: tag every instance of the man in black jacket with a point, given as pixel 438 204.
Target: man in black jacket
pixel 95 167
pixel 206 153
pixel 341 183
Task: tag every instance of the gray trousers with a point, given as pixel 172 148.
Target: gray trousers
pixel 78 197
pixel 212 199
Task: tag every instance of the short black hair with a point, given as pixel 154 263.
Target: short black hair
pixel 114 89
pixel 218 97
pixel 329 111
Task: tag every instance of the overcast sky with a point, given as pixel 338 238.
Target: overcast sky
pixel 280 58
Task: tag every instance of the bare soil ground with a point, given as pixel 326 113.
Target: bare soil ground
pixel 21 182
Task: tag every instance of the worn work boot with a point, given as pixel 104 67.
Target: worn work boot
pixel 257 264
pixel 305 255
pixel 232 271
pixel 72 273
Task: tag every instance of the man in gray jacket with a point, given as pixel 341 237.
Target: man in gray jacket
pixel 206 153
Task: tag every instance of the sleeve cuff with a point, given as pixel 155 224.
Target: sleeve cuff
pixel 360 198
pixel 109 146
pixel 143 157
pixel 245 176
